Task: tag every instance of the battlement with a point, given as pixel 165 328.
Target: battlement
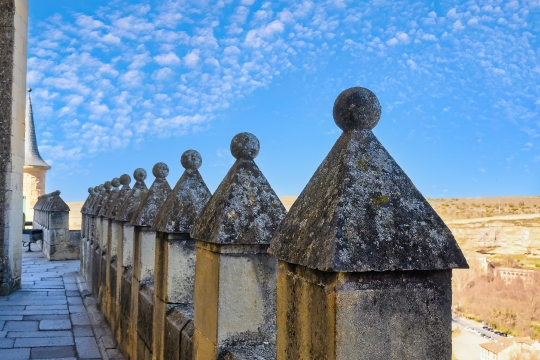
pixel 359 268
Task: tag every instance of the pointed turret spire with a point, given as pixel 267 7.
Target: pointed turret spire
pixel 31 152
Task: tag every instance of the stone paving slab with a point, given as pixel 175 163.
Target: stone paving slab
pixel 53 316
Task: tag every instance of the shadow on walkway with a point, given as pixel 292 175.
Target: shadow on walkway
pixel 53 316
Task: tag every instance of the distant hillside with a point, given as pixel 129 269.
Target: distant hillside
pixel 479 207
pixel 486 226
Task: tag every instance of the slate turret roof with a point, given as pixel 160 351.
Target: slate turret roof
pixel 31 152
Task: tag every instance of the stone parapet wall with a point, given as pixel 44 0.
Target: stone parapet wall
pixel 51 215
pixel 359 268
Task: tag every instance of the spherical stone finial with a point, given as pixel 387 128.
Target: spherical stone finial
pixel 101 187
pixel 115 182
pixel 96 189
pixel 245 146
pixel 56 193
pixel 107 185
pixel 191 160
pixel 139 174
pixel 357 108
pixel 29 90
pixel 90 190
pixel 160 170
pixel 125 179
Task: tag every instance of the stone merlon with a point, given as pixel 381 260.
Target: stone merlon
pixel 102 198
pixel 360 211
pixel 134 197
pixel 244 209
pixel 120 197
pixel 154 198
pixel 111 198
pixel 187 199
pixel 89 199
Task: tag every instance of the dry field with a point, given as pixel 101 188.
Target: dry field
pixel 469 208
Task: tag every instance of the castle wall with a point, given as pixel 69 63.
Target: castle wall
pixel 33 187
pixel 13 55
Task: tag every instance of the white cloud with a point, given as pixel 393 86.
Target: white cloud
pixel 392 42
pixel 132 78
pixel 162 74
pixel 192 58
pixel 127 54
pixel 167 59
pixel 458 26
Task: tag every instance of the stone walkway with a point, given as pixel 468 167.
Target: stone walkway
pixel 53 316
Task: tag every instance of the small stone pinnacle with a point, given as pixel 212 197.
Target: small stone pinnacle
pixel 115 182
pixel 90 190
pixel 357 108
pixel 245 146
pixel 107 185
pixel 29 89
pixel 191 160
pixel 160 170
pixel 125 179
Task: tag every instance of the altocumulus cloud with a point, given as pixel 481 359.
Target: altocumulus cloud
pixel 126 72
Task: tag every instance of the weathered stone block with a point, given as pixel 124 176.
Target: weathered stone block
pixel 113 307
pixel 145 315
pixel 96 270
pixel 392 315
pixel 228 310
pixel 126 329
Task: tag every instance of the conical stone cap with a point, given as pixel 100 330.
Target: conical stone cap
pixel 120 197
pixel 360 212
pixel 93 200
pixel 102 199
pixel 154 198
pixel 186 201
pixel 88 201
pixel 134 197
pixel 244 209
pixel 109 201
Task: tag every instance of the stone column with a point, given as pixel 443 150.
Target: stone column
pixel 105 245
pixel 235 279
pixel 84 230
pixel 365 263
pixel 124 331
pixel 13 55
pixel 114 245
pixel 142 289
pixel 91 233
pixel 175 262
pixel 98 239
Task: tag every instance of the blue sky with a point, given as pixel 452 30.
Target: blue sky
pixel 125 84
